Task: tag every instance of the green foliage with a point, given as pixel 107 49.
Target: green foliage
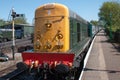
pixel 95 23
pixel 2 22
pixel 110 14
pixel 20 20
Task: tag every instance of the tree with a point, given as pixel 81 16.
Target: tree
pixel 110 14
pixel 20 20
pixel 2 22
pixel 95 23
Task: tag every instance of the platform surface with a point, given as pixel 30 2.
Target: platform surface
pixel 104 60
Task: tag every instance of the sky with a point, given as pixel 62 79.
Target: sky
pixel 87 9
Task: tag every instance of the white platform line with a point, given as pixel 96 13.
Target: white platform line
pixel 86 58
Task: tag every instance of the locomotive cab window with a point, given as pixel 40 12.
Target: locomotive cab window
pixel 78 32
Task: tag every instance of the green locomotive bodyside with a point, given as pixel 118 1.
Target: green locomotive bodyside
pixel 79 37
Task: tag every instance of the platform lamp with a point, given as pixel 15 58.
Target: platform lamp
pixel 14 15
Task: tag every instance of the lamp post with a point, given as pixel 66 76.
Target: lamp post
pixel 14 15
pixel 13 33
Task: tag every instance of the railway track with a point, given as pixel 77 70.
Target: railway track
pixel 6 71
pixel 12 72
pixel 6 46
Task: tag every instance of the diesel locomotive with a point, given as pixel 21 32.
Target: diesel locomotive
pixel 61 39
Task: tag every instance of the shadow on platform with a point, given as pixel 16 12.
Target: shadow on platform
pixel 108 71
pixel 115 45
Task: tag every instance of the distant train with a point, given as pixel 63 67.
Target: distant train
pixel 5 34
pixel 61 40
pixel 21 31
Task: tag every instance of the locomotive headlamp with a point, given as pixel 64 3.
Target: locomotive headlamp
pixel 59 36
pixel 48 25
pixel 59 45
pixel 38 45
pixel 48 46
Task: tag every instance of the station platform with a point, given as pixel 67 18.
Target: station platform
pixel 103 60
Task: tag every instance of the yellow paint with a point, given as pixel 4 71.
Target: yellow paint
pixel 58 16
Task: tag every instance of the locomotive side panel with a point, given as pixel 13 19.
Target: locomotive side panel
pixel 51 32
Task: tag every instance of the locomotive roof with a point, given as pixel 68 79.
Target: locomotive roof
pixel 50 6
pixel 76 16
pixel 71 13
